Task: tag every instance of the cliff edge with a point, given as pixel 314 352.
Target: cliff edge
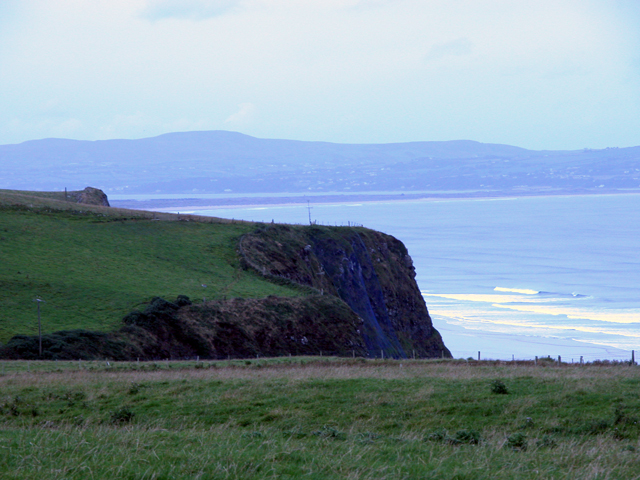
pixel 371 271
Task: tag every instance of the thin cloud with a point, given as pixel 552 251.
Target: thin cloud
pixel 242 116
pixel 187 9
pixel 455 48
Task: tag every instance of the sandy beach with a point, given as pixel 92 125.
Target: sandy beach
pixel 186 202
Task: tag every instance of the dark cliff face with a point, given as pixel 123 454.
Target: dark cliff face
pixel 371 271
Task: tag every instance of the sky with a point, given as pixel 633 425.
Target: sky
pixel 540 74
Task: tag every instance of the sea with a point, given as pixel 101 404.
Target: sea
pixel 509 278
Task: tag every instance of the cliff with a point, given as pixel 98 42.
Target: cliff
pixel 371 271
pixel 318 290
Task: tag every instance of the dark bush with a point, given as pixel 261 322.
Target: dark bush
pixel 183 301
pixel 461 437
pixel 122 415
pixel 159 306
pixel 471 437
pixel 65 345
pixel 517 442
pixel 498 387
pixel 134 318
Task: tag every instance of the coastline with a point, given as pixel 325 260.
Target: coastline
pixel 442 253
pixel 192 202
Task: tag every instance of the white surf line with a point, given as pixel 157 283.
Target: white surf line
pixel 525 291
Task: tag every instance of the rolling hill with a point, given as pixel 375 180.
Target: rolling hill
pixel 232 163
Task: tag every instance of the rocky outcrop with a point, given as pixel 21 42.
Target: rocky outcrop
pixel 90 196
pixel 371 271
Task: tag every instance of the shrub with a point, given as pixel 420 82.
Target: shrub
pixel 183 301
pixel 471 437
pixel 122 415
pixel 498 387
pixel 517 442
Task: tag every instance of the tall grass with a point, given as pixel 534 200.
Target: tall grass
pixel 318 418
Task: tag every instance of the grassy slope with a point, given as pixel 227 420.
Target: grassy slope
pixel 92 268
pixel 320 419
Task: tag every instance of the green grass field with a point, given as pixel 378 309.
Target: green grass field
pixel 95 266
pixel 318 418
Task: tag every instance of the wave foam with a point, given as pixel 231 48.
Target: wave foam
pixel 525 291
pixel 484 298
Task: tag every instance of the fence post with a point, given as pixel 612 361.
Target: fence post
pixel 535 362
pixel 581 360
pixel 633 357
pixel 559 359
pixel 478 356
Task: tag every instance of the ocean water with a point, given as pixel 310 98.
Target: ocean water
pixel 513 277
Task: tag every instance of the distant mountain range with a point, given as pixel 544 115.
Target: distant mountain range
pixel 221 162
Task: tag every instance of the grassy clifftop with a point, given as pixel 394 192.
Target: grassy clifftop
pixel 93 265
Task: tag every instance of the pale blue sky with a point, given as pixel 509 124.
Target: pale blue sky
pixel 543 74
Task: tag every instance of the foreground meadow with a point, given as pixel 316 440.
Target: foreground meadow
pixel 318 418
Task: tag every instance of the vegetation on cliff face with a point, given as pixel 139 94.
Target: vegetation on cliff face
pixel 293 290
pixel 271 326
pixel 371 271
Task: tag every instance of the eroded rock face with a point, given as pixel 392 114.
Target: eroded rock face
pixel 90 196
pixel 371 271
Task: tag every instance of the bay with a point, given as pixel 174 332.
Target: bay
pixel 510 277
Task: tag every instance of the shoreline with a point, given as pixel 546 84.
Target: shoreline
pixel 228 203
pixel 464 340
